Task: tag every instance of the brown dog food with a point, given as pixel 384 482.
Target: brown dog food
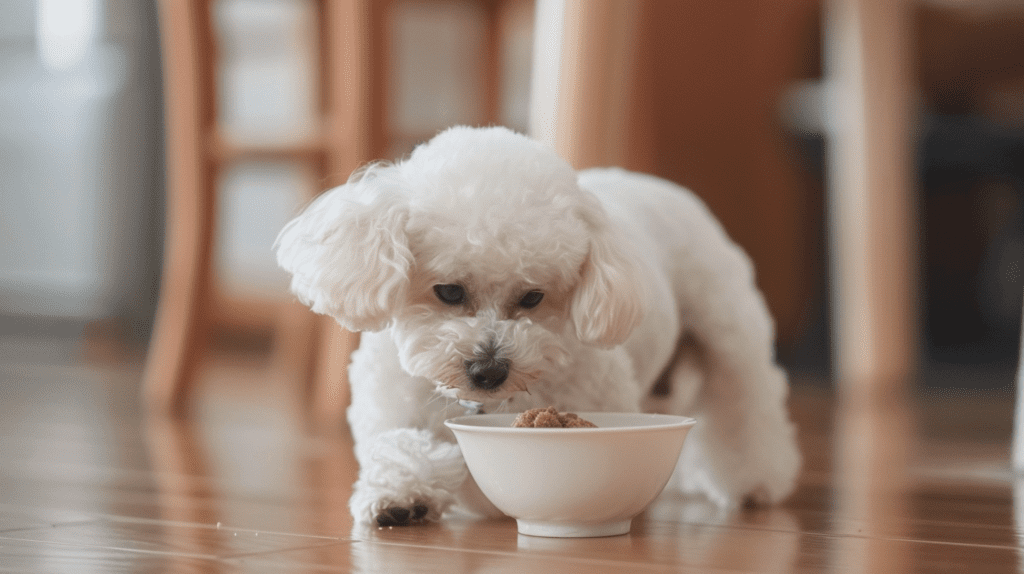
pixel 550 418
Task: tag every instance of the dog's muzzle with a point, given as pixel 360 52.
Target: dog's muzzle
pixel 486 372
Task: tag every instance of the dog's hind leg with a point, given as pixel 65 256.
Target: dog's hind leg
pixel 743 448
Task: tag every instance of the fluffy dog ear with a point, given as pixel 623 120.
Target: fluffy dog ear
pixel 347 251
pixel 609 301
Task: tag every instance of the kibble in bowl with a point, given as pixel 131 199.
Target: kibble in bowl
pixel 550 418
pixel 577 481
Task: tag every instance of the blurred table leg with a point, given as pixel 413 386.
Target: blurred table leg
pixel 584 60
pixel 870 193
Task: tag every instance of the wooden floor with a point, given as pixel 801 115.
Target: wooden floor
pixel 88 485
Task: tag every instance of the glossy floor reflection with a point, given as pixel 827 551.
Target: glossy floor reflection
pixel 89 485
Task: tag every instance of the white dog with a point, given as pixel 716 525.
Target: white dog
pixel 485 270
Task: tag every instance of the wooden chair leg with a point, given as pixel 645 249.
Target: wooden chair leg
pixel 178 340
pixel 179 334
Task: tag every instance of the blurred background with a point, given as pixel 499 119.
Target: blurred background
pixel 725 98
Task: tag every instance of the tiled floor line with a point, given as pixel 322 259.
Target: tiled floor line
pixel 912 540
pixel 260 553
pixel 325 540
pixel 48 526
pixel 117 548
pixel 218 526
pixel 100 518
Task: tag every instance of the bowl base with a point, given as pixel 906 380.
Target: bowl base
pixel 573 529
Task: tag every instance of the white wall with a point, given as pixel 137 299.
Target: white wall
pixel 78 152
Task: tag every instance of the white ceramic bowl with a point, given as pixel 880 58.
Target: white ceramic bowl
pixel 573 482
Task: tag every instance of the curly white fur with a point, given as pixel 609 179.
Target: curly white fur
pixel 501 218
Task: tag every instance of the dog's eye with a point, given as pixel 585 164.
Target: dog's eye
pixel 531 300
pixel 450 294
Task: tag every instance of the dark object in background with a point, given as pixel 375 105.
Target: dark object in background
pixel 972 177
pixel 972 236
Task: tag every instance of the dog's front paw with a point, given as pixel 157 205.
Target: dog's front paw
pixel 407 476
pixel 375 506
pixel 401 516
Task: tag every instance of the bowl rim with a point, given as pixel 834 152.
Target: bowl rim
pixel 670 422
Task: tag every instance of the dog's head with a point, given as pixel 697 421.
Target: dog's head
pixel 480 252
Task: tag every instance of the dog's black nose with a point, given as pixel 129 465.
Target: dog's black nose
pixel 487 373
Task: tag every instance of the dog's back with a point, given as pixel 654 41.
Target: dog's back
pixel 686 252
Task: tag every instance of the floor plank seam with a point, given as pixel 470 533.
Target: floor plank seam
pixel 117 548
pixel 1013 547
pixel 113 518
pixel 50 526
pixel 260 553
